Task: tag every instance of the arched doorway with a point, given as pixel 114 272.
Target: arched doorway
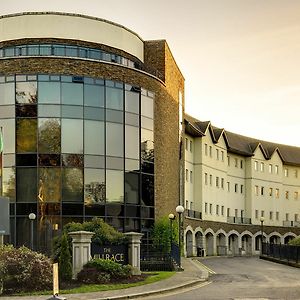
pixel 199 244
pixel 189 243
pixel 288 238
pixel 209 239
pixel 274 239
pixel 247 244
pixel 233 245
pixel 221 244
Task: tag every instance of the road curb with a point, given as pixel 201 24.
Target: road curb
pixel 152 293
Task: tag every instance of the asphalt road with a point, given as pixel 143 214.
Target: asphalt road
pixel 243 278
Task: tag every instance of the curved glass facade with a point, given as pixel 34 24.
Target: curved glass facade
pixel 76 147
pixel 68 51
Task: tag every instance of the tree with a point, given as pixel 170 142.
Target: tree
pixel 64 262
pixel 294 242
pixel 161 234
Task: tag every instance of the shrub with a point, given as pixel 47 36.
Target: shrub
pixel 104 235
pixel 24 270
pixel 64 262
pixel 294 242
pixel 102 271
pixel 161 234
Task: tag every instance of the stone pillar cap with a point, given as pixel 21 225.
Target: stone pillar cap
pixel 81 233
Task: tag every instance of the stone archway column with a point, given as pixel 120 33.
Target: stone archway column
pixel 81 245
pixel 134 251
pixel 215 244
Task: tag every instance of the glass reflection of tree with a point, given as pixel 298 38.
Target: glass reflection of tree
pixel 49 136
pixel 94 192
pixel 73 184
pixel 147 150
pixel 26 92
pixel 26 135
pixel 9 185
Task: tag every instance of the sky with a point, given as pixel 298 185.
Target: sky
pixel 240 58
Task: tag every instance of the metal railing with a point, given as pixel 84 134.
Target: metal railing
pixel 194 214
pixel 238 220
pixel 283 252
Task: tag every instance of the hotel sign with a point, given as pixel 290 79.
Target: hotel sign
pixel 117 253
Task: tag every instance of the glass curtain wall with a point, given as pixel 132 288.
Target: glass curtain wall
pixel 83 147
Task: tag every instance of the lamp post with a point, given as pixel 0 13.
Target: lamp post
pixel 179 210
pixel 262 219
pixel 32 217
pixel 171 218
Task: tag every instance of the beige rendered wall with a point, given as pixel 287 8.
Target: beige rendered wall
pixel 77 27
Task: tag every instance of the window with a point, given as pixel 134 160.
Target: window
pixel 205 178
pixel 210 179
pixel 296 218
pixel 286 216
pixel 271 215
pixel 222 210
pixel 296 173
pixel 210 151
pixel 241 164
pixel 222 183
pixel 276 169
pixel 270 192
pixel 217 181
pixel 210 209
pixel 256 214
pixel 191 176
pixel 191 146
pixel 296 195
pixel 256 190
pixel 236 162
pixel 228 212
pixel 217 209
pixel 191 205
pixel 236 212
pixel 228 186
pixel 186 175
pixel 235 187
pixel 186 144
pixel 262 167
pixel 228 160
pixel 286 172
pixel 277 193
pixel 222 155
pixel 186 204
pixel 205 207
pixel 262 190
pixel 242 189
pixel 217 154
pixel 277 215
pixel 256 165
pixel 262 214
pixel 270 168
pixel 286 195
pixel 205 149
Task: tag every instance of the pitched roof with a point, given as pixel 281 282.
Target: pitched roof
pixel 244 145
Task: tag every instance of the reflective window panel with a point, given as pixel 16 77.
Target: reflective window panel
pixel 71 136
pixel 49 135
pixel 93 95
pixel 26 92
pixel 49 92
pixel 26 184
pixel 94 186
pixel 26 135
pixel 94 137
pixel 49 185
pixel 114 139
pixel 72 93
pixel 7 93
pixel 114 186
pixel 72 185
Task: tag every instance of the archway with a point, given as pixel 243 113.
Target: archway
pixel 189 243
pixel 199 243
pixel 247 244
pixel 233 245
pixel 288 238
pixel 209 238
pixel 274 239
pixel 221 244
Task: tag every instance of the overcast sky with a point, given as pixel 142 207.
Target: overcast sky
pixel 240 58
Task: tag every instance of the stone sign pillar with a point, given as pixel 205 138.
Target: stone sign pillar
pixel 81 241
pixel 134 251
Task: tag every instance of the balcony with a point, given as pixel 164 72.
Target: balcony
pixel 238 220
pixel 291 224
pixel 194 214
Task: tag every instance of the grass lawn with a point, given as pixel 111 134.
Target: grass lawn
pixel 88 288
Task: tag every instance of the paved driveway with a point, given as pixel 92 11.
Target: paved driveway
pixel 244 278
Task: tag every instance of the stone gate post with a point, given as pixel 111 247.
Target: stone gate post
pixel 81 245
pixel 134 251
